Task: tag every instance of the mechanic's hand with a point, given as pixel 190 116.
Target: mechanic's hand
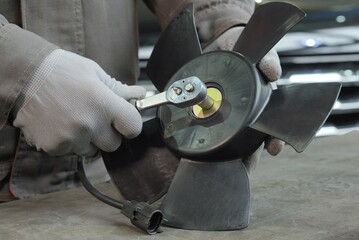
pixel 71 105
pixel 270 67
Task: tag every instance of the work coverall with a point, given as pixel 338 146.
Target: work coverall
pixel 102 30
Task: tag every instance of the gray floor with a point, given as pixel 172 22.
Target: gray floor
pixel 312 195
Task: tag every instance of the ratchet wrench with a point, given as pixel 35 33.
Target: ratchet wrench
pixel 182 93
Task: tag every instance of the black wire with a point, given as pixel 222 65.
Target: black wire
pixel 91 189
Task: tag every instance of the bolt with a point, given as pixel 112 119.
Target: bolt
pixel 189 87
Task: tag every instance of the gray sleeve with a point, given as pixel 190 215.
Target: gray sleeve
pixel 213 17
pixel 3 21
pixel 21 51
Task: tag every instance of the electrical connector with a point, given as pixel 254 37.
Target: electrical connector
pixel 143 216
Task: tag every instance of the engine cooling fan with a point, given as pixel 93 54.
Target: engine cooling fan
pixel 194 154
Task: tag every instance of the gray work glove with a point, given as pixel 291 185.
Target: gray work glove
pixel 270 67
pixel 70 105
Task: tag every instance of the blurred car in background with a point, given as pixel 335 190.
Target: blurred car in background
pixel 324 47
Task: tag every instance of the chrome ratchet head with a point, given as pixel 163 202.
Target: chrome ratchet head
pixel 182 93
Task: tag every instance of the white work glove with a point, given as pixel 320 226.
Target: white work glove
pixel 70 105
pixel 270 67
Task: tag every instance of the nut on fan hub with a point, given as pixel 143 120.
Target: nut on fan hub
pixel 211 106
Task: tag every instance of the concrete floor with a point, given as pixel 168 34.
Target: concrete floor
pixel 312 195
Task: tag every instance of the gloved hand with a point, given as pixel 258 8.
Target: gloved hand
pixel 71 105
pixel 270 67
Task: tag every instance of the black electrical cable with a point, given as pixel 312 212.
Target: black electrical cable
pixel 141 214
pixel 91 189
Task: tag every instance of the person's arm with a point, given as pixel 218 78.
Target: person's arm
pixel 62 102
pixel 3 21
pixel 213 17
pixel 21 52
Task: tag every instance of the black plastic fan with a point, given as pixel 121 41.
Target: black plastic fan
pixel 210 189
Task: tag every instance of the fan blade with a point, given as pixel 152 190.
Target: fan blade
pixel 269 23
pixel 208 196
pixel 142 168
pixel 177 45
pixel 295 114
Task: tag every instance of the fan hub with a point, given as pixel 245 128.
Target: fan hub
pixel 238 93
pixel 216 97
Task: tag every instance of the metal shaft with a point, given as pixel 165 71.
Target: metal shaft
pixel 207 103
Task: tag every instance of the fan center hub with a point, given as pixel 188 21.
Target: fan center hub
pixel 202 112
pixel 218 127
